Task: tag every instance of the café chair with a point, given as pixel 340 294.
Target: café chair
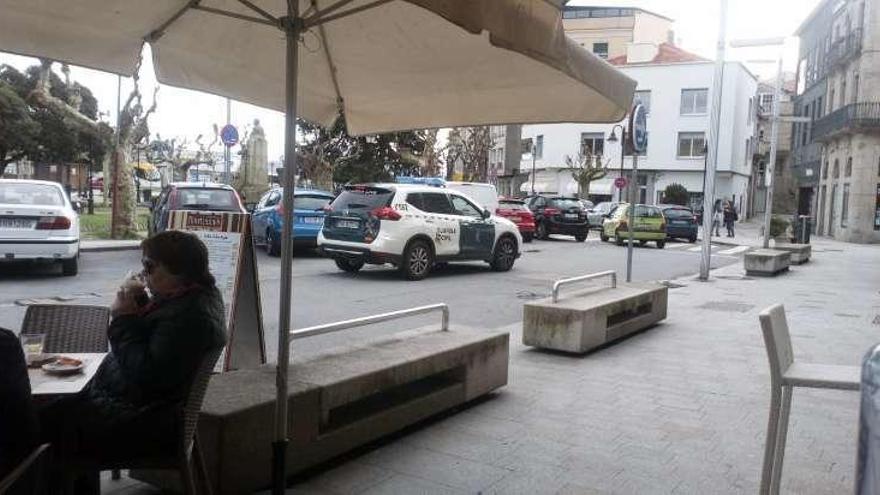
pixel 68 328
pixel 31 470
pixel 188 451
pixel 785 374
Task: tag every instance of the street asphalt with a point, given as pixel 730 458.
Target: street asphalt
pixel 476 295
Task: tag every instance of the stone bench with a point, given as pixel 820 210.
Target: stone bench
pixel 766 262
pixel 340 400
pixel 588 319
pixel 800 253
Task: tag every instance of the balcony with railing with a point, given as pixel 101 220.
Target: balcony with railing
pixel 844 49
pixel 850 118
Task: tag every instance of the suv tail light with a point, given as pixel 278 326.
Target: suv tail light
pixel 385 213
pixel 53 223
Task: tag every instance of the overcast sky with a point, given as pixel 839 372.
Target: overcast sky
pixel 184 113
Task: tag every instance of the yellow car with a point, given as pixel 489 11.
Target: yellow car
pixel 650 225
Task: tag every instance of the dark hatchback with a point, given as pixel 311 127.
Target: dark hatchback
pixel 680 222
pixel 559 215
pixel 192 196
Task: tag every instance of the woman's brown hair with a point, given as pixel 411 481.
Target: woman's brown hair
pixel 181 253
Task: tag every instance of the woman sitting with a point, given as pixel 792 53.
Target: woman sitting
pixel 131 408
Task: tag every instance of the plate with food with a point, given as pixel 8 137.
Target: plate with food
pixel 64 366
pixel 38 360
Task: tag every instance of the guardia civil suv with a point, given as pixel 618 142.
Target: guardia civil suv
pixel 414 227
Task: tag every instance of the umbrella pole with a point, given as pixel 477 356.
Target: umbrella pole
pixel 292 28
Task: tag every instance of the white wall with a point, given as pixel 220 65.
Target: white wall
pixel 666 81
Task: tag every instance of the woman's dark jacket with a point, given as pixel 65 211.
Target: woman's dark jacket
pixel 132 405
pixel 155 355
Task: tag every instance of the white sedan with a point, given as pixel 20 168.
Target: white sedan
pixel 38 223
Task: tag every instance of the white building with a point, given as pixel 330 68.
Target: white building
pixel 676 87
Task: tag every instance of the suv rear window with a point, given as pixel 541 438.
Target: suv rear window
pixel 315 203
pixel 566 203
pixel 206 199
pixel 30 194
pixel 677 213
pixel 362 198
pixel 512 204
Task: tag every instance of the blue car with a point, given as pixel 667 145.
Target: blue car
pixel 308 211
pixel 680 222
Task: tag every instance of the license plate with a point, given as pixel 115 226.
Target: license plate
pixel 315 220
pixel 572 216
pixel 16 223
pixel 680 222
pixel 348 224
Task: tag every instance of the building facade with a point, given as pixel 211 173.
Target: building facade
pixel 676 86
pixel 785 185
pixel 607 31
pixel 839 89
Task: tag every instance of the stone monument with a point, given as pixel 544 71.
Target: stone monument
pixel 253 175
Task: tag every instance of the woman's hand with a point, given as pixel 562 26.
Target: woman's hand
pixel 126 302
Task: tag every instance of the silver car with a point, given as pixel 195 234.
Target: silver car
pixel 597 215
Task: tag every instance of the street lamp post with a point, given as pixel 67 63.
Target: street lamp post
pixel 534 150
pixel 613 139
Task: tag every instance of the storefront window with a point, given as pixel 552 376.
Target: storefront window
pixel 877 210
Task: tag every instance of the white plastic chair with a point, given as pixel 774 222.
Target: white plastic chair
pixel 785 374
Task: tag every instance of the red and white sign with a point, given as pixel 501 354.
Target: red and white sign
pixel 620 182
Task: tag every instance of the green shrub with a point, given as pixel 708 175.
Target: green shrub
pixel 778 226
pixel 675 194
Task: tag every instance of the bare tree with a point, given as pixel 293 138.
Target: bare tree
pixel 132 129
pixel 179 155
pixel 586 168
pixel 469 147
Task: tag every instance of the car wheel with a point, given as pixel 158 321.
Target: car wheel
pixel 603 237
pixel 273 244
pixel 70 268
pixel 642 243
pixel 580 238
pixel 528 237
pixel 350 266
pixel 418 259
pixel 661 244
pixel 504 255
pixel 541 232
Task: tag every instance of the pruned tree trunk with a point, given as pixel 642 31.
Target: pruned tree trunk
pixel 132 129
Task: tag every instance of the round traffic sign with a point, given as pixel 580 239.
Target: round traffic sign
pixel 229 135
pixel 620 182
pixel 638 124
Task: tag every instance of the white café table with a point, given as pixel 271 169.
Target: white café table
pixel 43 384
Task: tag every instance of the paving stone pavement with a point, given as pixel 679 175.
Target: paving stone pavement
pixel 680 408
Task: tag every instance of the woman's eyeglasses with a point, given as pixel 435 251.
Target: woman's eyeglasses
pixel 149 266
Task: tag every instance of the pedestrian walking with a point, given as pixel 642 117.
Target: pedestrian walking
pixel 730 217
pixel 717 218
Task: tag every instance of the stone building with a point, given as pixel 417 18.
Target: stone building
pixel 785 186
pixel 838 155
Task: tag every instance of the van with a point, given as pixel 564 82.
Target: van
pixel 484 194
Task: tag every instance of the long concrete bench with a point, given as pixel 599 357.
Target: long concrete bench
pixel 341 400
pixel 800 253
pixel 766 262
pixel 591 318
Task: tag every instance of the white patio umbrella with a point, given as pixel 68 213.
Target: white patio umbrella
pixel 385 64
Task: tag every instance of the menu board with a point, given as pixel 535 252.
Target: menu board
pixel 231 260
